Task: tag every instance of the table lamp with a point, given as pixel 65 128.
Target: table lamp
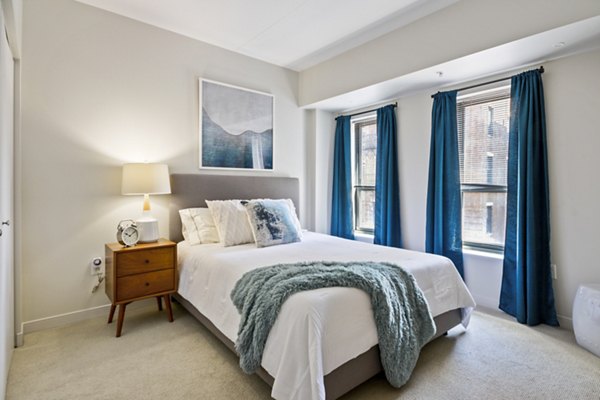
pixel 146 179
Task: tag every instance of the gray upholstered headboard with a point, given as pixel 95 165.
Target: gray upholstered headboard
pixel 191 190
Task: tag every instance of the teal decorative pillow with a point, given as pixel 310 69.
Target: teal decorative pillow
pixel 272 222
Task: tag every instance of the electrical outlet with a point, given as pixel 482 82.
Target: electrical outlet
pixel 553 271
pixel 96 266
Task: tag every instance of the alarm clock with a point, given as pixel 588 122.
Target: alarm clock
pixel 128 233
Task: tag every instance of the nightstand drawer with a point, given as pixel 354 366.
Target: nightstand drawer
pixel 135 262
pixel 140 285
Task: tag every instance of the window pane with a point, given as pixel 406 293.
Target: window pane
pixel 483 133
pixel 368 151
pixel 484 214
pixel 483 122
pixel 365 209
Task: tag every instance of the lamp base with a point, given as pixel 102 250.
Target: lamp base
pixel 148 226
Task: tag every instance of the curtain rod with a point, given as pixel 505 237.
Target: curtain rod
pixel 541 69
pixel 368 111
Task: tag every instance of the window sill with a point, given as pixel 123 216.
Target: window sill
pixel 483 253
pixel 363 237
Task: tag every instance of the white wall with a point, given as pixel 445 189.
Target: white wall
pixel 13 13
pixel 572 103
pixel 7 328
pixel 571 89
pixel 310 121
pixel 413 120
pixel 319 154
pixel 100 90
pixel 437 38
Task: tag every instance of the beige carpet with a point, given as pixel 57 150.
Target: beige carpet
pixel 494 359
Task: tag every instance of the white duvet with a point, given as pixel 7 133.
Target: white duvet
pixel 318 330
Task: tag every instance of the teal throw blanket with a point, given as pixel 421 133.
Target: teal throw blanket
pixel 404 323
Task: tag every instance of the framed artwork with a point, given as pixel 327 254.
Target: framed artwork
pixel 236 127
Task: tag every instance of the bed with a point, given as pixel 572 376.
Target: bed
pixel 324 342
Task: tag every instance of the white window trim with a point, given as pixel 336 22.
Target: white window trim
pixel 483 253
pixel 358 234
pixel 364 237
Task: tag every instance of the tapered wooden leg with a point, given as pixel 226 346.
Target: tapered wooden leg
pixel 121 317
pixel 169 309
pixel 159 302
pixel 112 313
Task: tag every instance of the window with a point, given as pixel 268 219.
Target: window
pixel 483 122
pixel 365 151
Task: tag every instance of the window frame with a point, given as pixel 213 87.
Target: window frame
pixel 357 185
pixel 461 104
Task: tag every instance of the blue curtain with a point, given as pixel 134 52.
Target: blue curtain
pixel 341 197
pixel 387 187
pixel 526 281
pixel 444 225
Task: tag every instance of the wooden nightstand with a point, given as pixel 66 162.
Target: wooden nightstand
pixel 140 272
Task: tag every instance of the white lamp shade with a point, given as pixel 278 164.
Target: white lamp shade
pixel 146 179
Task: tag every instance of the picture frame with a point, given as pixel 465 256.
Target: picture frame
pixel 235 127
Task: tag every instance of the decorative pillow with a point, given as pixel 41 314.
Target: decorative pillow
pixel 197 226
pixel 294 216
pixel 272 222
pixel 231 221
pixel 290 204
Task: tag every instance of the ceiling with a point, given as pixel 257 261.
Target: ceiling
pixel 313 30
pixel 298 34
pixel 532 51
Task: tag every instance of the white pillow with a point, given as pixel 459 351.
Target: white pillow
pixel 231 221
pixel 197 226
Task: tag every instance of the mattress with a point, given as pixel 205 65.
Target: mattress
pixel 318 330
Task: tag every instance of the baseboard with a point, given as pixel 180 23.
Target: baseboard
pixel 565 322
pixel 60 320
pixel 19 338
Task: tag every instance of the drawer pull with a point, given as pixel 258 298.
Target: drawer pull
pixel 147 284
pixel 147 261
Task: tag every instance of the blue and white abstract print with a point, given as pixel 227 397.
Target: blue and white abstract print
pixel 272 222
pixel 236 127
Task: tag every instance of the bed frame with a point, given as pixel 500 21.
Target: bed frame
pixel 191 190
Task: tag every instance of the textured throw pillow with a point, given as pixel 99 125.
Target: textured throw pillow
pixel 272 222
pixel 231 221
pixel 290 204
pixel 197 226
